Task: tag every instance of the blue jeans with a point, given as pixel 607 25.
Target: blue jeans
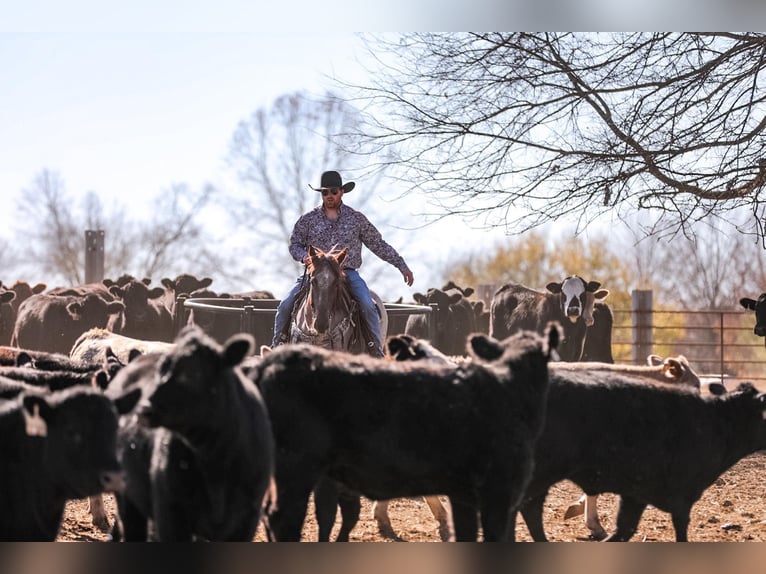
pixel 359 290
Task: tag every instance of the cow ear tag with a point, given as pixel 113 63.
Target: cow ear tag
pixel 34 423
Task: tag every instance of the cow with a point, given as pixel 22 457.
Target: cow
pixel 53 322
pixel 43 360
pixel 197 449
pixel 651 444
pixel 183 284
pixel 569 302
pixel 24 290
pixel 146 315
pixel 671 371
pixel 95 346
pixel 759 307
pixel 453 318
pixel 56 446
pixel 7 315
pixel 390 429
pixel 598 336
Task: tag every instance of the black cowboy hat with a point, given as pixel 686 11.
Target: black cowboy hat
pixel 332 179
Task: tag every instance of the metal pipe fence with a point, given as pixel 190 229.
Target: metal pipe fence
pixel 716 343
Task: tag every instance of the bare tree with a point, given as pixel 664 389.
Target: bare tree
pixel 276 153
pixel 520 129
pixel 172 241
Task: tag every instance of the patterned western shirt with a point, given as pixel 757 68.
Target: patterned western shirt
pixel 351 230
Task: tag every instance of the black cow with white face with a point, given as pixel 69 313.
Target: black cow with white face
pixel 569 302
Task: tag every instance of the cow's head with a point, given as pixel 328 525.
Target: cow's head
pixel 578 297
pixel 759 307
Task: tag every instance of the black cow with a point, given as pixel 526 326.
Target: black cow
pixel 453 317
pixel 759 307
pixel 389 430
pixel 199 453
pixel 570 303
pixel 598 337
pixel 651 444
pixel 56 446
pixel 53 322
pixel 146 314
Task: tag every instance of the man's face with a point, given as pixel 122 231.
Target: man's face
pixel 331 197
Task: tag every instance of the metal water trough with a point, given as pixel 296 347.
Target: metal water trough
pixel 223 317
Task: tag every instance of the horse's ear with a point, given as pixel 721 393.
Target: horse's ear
pixel 312 251
pixel 341 256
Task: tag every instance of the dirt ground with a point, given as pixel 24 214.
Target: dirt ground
pixel 733 509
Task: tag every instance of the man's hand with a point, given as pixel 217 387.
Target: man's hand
pixel 408 277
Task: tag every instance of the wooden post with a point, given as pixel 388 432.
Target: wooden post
pixel 94 255
pixel 642 325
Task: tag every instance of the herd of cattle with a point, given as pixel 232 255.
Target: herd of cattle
pixel 200 437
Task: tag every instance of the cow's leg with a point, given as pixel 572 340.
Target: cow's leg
pixel 325 507
pixel 98 512
pixel 134 523
pixel 681 524
pixel 532 511
pixel 380 514
pixel 628 516
pixel 495 506
pixel 442 516
pixel 592 521
pixel 350 509
pixel 466 520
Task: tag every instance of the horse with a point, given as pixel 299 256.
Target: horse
pixel 326 313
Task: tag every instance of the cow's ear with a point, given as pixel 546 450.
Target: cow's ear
pixel 7 296
pixel 340 257
pixel 553 287
pixel 168 283
pixel 117 291
pixel 101 379
pixel 74 309
pixel 672 369
pixel 36 412
pixel 716 389
pixel 454 298
pixel 468 291
pixel 420 298
pixel 156 293
pixel 24 359
pixel 747 303
pixel 601 294
pixel 115 307
pixel 39 288
pixel 654 360
pixel 592 286
pixel 398 348
pixel 128 401
pixel 146 281
pixel 485 347
pixel 236 348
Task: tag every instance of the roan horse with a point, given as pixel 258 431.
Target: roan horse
pixel 326 314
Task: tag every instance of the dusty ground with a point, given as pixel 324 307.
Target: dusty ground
pixel 731 510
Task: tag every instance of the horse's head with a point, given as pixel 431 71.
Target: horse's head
pixel 326 275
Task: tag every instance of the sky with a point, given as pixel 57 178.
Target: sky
pixel 127 100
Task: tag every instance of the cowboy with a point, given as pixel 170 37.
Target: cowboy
pixel 336 225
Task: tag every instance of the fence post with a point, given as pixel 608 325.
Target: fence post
pixel 94 255
pixel 642 325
